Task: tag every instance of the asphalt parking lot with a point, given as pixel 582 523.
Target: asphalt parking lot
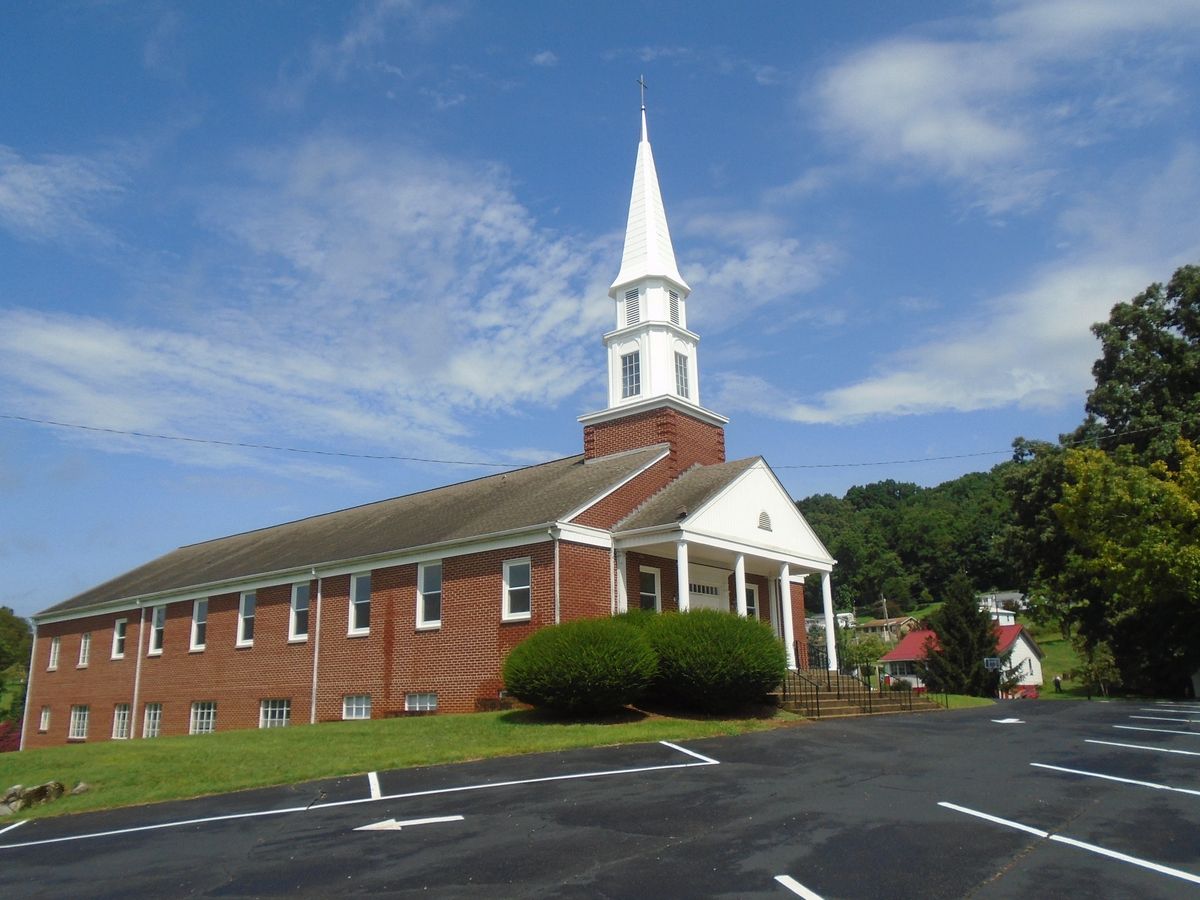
pixel 1021 799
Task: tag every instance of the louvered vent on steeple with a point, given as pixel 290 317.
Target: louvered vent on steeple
pixel 633 312
pixel 674 299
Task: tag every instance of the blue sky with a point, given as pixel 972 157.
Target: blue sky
pixel 389 228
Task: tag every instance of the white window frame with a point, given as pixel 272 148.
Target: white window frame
pixel 120 635
pixel 421 701
pixel 631 374
pixel 507 613
pixel 682 379
pixel 52 661
pixel 752 609
pixel 248 598
pixel 120 731
pixel 294 636
pixel 351 629
pixel 85 650
pixel 198 606
pixel 79 723
pixel 275 713
pixel 203 719
pixel 152 720
pixel 353 706
pixel 657 573
pixel 158 628
pixel 424 623
pixel 44 719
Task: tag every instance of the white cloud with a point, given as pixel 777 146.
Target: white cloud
pixel 369 296
pixel 994 107
pixel 546 58
pixel 52 198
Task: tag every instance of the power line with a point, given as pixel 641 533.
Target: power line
pixel 218 443
pixel 495 465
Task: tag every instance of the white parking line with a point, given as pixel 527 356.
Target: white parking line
pixel 700 756
pixel 1163 719
pixel 12 826
pixel 1149 784
pixel 1143 747
pixel 1157 730
pixel 373 784
pixel 796 887
pixel 406 796
pixel 1091 848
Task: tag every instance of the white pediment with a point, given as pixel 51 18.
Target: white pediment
pixel 756 511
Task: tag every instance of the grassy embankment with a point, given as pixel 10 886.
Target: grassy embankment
pixel 128 773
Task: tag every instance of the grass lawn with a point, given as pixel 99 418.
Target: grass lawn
pixel 1060 658
pixel 128 773
pixel 964 701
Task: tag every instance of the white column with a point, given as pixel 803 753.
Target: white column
pixel 830 634
pixel 622 582
pixel 681 574
pixel 785 606
pixel 739 583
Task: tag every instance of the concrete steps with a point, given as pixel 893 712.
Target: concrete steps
pixel 830 695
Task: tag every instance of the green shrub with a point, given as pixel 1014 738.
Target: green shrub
pixel 712 661
pixel 581 668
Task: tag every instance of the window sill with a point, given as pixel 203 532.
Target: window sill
pixel 243 645
pixel 154 653
pixel 364 632
pixel 298 640
pixel 84 666
pixel 199 649
pixel 114 658
pixel 520 617
pixel 429 626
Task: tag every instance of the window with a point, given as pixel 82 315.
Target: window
pixel 633 313
pixel 85 649
pixel 631 374
pixel 120 628
pixel 245 632
pixel 275 714
pixel 79 723
pixel 751 601
pixel 298 618
pixel 44 721
pixel 673 299
pixel 516 589
pixel 360 604
pixel 764 521
pixel 121 722
pixel 158 622
pixel 648 593
pixel 152 720
pixel 356 706
pixel 708 590
pixel 420 702
pixel 429 595
pixel 52 663
pixel 681 374
pixel 199 624
pixel 204 717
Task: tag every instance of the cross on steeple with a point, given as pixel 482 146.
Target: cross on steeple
pixel 642 83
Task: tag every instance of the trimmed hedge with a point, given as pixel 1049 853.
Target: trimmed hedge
pixel 585 667
pixel 712 661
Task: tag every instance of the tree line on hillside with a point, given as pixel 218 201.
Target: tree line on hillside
pixel 1101 530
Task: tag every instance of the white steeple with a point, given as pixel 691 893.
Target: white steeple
pixel 648 250
pixel 651 354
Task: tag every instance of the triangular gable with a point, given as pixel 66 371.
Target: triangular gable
pixel 756 510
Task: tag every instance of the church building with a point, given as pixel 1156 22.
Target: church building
pixel 410 604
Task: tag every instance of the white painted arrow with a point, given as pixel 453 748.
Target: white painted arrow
pixel 393 825
pixel 1008 721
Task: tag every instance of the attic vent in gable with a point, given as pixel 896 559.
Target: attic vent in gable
pixel 764 521
pixel 674 297
pixel 633 313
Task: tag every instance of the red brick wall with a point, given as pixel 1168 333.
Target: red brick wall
pixel 692 441
pixel 668 583
pixel 799 632
pixel 627 498
pixel 460 662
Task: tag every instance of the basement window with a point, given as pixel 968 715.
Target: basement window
pixel 204 717
pixel 275 714
pixel 420 702
pixel 356 706
pixel 120 730
pixel 152 720
pixel 79 724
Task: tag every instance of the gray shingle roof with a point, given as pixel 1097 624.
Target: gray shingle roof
pixel 689 491
pixel 498 503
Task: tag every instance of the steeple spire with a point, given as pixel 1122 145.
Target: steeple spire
pixel 648 250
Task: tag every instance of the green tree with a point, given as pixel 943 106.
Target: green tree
pixel 1098 669
pixel 965 637
pixel 16 640
pixel 1147 392
pixel 1136 534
